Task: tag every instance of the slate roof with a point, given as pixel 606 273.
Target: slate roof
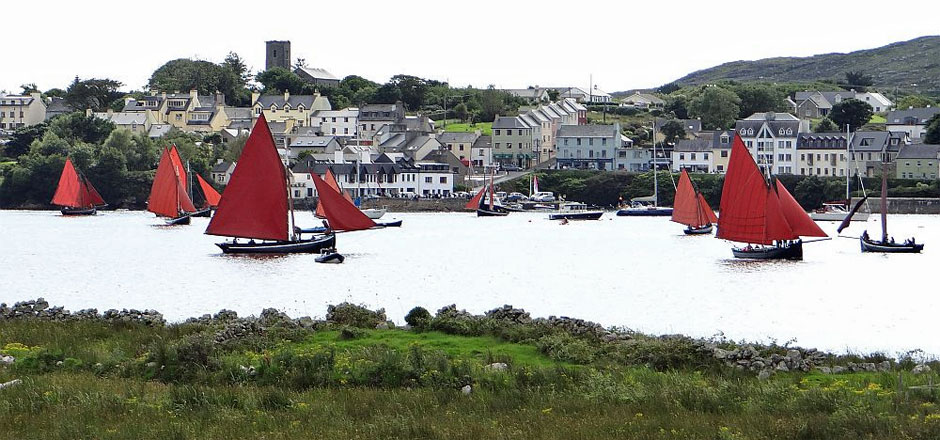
pixel 453 137
pixel 717 137
pixel 690 125
pixel 509 122
pixel 876 141
pixel 587 131
pixel 693 145
pixel 919 151
pixel 483 142
pixel 222 167
pixel 311 141
pixel 123 118
pixel 637 96
pixel 821 141
pixel 159 130
pixel 911 116
pixel 318 73
pixel 310 102
pixel 824 99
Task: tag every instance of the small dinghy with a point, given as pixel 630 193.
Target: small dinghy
pixel 330 256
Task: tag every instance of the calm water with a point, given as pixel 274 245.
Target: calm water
pixel 642 273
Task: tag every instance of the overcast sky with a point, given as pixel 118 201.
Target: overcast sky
pixel 623 44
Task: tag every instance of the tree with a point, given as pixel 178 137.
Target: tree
pixel 77 126
pixel 412 88
pixel 678 106
pixel 22 138
pixel 915 101
pixel 461 112
pixel 759 98
pixel 811 192
pixel 932 134
pixel 717 107
pixel 183 75
pixel 96 94
pixel 237 66
pixel 851 112
pixel 672 131
pixel 825 126
pixel 858 80
pixel 668 88
pixel 278 79
pixel 29 88
pixel 387 94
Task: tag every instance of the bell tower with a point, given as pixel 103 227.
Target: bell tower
pixel 277 54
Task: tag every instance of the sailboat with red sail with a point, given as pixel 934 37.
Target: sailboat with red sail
pixel 330 179
pixel 488 206
pixel 168 197
pixel 75 194
pixel 256 206
pixel 691 209
pixel 761 213
pixel 210 195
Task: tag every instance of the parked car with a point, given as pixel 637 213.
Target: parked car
pixel 543 197
pixel 500 195
pixel 510 168
pixel 407 195
pixel 462 194
pixel 515 197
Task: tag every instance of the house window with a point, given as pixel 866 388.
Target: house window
pixel 692 156
pixel 496 132
pixel 706 155
pixel 444 179
pixel 566 142
pixel 681 156
pixel 428 179
pixel 724 153
pixel 579 141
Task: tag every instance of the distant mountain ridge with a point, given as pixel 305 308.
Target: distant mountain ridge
pixel 898 64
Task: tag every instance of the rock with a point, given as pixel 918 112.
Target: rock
pixel 497 366
pixel 921 369
pixel 719 353
pixel 382 326
pixel 151 364
pixel 794 355
pixel 765 374
pixel 824 370
pixel 782 367
pixel 466 390
pixel 59 363
pixel 884 366
pixel 838 369
pixel 10 383
pixel 7 360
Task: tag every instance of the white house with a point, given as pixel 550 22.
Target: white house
pixel 771 138
pixel 694 155
pixel 342 123
pixel 21 110
pixel 912 121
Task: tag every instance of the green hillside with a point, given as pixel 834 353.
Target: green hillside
pixel 901 64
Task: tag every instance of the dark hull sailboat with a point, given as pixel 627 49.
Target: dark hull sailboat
pixel 700 230
pixel 691 209
pixel 255 205
pixel 307 246
pixel 496 211
pixel 890 248
pixel 79 211
pixel 793 251
pixel 323 229
pixel 761 212
pixel 644 211
pixel 592 215
pixel 181 220
pixel 206 212
pixel 75 194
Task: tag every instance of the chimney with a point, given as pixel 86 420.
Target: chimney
pixel 219 99
pixel 338 156
pixel 254 98
pixel 193 93
pixel 286 95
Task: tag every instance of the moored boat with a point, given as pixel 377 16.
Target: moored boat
pixel 836 212
pixel 75 194
pixel 256 206
pixel 575 211
pixel 761 213
pixel 691 209
pixel 887 244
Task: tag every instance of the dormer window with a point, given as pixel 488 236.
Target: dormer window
pixel 300 107
pixel 743 132
pixel 273 107
pixel 725 139
pixel 782 132
pixel 789 132
pixel 750 131
pixel 287 107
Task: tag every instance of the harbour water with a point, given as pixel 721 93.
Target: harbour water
pixel 641 273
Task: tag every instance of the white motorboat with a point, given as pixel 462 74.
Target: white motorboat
pixel 836 212
pixel 373 213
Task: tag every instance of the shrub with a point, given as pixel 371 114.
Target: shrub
pixel 354 315
pixel 564 347
pixel 418 318
pixel 348 333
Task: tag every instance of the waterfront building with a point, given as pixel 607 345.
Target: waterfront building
pixel 21 110
pixel 869 148
pixel 459 143
pixel 372 117
pixel 771 138
pixel 912 122
pixel 918 161
pixel 512 142
pixel 694 155
pixel 822 154
pixel 295 109
pixel 588 146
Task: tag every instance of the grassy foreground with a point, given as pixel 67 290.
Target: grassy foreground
pixel 333 379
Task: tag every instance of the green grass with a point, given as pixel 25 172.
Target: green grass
pixel 479 348
pixel 486 128
pixel 877 119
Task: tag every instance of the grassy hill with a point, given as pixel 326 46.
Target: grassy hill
pixel 899 64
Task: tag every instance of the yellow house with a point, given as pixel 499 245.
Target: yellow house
pixel 136 122
pixel 821 154
pixel 298 109
pixel 721 151
pixel 21 110
pixel 189 112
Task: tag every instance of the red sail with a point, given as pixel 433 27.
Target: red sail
pixel 474 203
pixel 93 197
pixel 180 169
pixel 800 223
pixel 750 211
pixel 70 192
pixel 706 210
pixel 254 204
pixel 167 195
pixel 330 180
pixel 685 207
pixel 341 214
pixel 212 196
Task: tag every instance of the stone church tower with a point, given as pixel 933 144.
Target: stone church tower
pixel 277 54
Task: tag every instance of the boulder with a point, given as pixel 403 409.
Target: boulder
pixel 921 369
pixel 466 390
pixel 497 366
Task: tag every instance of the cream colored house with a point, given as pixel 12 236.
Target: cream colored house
pixel 189 112
pixel 21 110
pixel 821 154
pixel 135 122
pixel 282 108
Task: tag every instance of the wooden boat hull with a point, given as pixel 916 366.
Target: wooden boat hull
pixel 792 252
pixel 313 245
pixel 644 212
pixel 202 213
pixel 181 220
pixel 701 230
pixel 590 215
pixel 391 224
pixel 331 257
pixel 888 248
pixel 494 213
pixel 79 211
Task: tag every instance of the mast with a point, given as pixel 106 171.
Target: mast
pixel 655 170
pixel 290 196
pixel 848 192
pixel 189 180
pixel 884 200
